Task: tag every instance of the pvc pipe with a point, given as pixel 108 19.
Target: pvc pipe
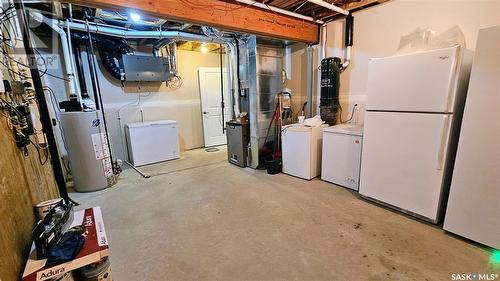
pixel 328 6
pixel 65 49
pixel 279 10
pixel 347 59
pixel 228 82
pixel 323 41
pixel 309 78
pixel 72 62
pixel 134 34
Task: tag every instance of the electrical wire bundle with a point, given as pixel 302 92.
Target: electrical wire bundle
pixel 18 95
pixel 17 120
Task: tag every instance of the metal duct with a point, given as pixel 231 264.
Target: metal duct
pixel 110 51
pixel 172 57
pixel 265 81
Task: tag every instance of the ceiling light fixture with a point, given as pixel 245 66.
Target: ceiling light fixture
pixel 204 48
pixel 135 17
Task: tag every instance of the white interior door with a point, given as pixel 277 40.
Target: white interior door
pixel 210 92
pixel 403 160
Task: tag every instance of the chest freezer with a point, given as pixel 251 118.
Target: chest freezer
pixel 152 142
pixel 341 155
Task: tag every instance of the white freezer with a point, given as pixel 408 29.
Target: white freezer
pixel 403 161
pixel 341 155
pixel 151 142
pixel 420 82
pixel 473 209
pixel 301 150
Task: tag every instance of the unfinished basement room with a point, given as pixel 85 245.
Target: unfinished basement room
pixel 253 140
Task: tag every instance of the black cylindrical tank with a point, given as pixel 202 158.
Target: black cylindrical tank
pixel 330 84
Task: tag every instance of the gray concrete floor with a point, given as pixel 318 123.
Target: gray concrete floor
pixel 200 218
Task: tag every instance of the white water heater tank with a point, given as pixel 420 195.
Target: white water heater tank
pixel 88 150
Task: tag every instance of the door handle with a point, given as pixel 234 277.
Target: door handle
pixel 444 140
pixel 206 112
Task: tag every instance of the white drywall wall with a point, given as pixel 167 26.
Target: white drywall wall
pixel 377 32
pixel 157 102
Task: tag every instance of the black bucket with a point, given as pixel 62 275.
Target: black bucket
pixel 273 166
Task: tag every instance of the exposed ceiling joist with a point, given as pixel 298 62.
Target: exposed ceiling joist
pixel 220 14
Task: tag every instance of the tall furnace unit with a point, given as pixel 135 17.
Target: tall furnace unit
pixel 88 150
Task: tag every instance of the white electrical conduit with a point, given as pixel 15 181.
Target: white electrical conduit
pixel 328 6
pixel 65 50
pixel 279 10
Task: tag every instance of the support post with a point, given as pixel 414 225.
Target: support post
pixel 42 103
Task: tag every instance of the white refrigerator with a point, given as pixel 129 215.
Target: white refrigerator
pixel 473 209
pixel 414 109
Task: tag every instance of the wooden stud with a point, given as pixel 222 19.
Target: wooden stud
pixel 220 14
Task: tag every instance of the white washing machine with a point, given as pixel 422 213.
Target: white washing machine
pixel 301 147
pixel 341 157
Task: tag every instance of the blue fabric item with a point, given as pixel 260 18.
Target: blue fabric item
pixel 66 248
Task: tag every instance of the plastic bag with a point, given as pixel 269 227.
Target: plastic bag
pixel 426 39
pixel 314 121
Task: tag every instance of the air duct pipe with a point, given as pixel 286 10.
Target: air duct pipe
pixel 229 83
pixel 160 44
pixel 234 71
pixel 171 49
pixel 173 58
pixel 108 49
pixel 38 17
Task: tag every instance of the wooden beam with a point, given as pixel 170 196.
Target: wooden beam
pixel 220 14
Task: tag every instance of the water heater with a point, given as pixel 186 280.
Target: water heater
pixel 88 150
